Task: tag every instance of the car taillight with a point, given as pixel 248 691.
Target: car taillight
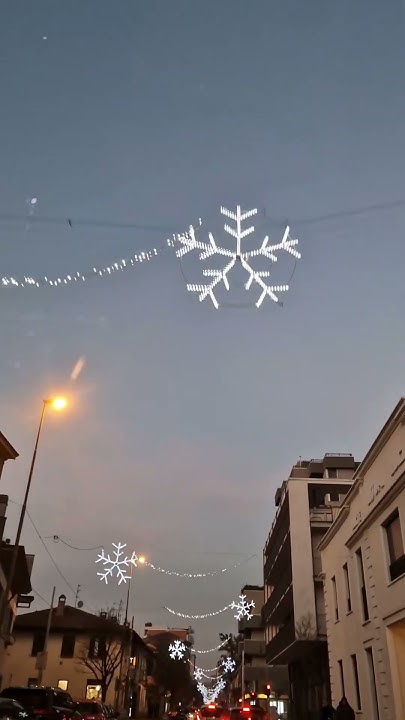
pixel 38 712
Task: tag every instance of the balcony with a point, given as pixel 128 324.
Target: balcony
pixel 276 563
pixel 279 644
pixel 279 602
pixel 323 517
pixel 253 647
pixel 254 623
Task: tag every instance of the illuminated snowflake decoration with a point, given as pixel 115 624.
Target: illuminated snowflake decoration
pixel 204 692
pixel 198 674
pixel 228 664
pixel 177 650
pixel 189 242
pixel 243 608
pixel 221 685
pixel 116 565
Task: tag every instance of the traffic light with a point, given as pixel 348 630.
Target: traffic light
pixel 268 689
pixel 252 694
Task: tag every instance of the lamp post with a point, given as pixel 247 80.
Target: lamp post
pixel 58 403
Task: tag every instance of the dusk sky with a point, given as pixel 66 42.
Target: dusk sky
pixel 185 419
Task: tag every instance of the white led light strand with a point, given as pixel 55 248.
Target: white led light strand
pixel 210 650
pixel 198 617
pixel 189 242
pixel 192 575
pixel 243 609
pixel 80 276
pixel 145 563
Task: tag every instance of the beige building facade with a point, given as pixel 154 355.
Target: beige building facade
pixel 363 564
pixel 75 635
pixel 294 613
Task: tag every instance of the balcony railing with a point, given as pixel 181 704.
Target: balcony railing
pixel 272 562
pixel 276 598
pixel 280 642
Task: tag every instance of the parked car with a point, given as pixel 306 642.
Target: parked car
pixel 92 710
pixel 43 702
pixel 12 709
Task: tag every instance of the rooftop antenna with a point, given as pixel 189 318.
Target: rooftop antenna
pixel 78 603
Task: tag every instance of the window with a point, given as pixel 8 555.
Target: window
pixel 335 599
pixel 363 589
pixel 373 684
pixel 347 588
pixel 38 643
pixel 342 678
pixel 395 545
pixel 332 472
pixel 32 682
pixel 68 646
pixel 356 681
pixel 63 684
pixel 96 647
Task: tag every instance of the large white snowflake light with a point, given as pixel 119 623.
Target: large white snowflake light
pixel 189 242
pixel 243 608
pixel 177 650
pixel 116 563
pixel 228 664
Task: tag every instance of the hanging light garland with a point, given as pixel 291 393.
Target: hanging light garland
pixel 116 566
pixel 243 609
pixel 80 276
pixel 210 650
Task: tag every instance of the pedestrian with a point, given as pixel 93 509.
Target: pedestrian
pixel 344 711
pixel 327 713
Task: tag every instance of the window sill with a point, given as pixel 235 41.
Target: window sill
pixel 400 577
pixel 349 612
pixel 337 621
pixel 366 622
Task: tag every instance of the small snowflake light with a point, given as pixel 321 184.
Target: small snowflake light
pixel 243 608
pixel 198 674
pixel 228 664
pixel 177 650
pixel 116 564
pixel 189 242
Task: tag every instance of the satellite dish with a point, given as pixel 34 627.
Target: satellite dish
pixel 80 604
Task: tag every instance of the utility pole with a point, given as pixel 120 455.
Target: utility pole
pixel 44 654
pixel 243 675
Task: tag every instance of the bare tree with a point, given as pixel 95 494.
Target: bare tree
pixel 305 628
pixel 104 656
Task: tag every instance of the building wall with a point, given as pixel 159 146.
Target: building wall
pixel 378 492
pixel 20 666
pixel 301 551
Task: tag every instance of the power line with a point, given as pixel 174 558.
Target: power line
pixel 148 227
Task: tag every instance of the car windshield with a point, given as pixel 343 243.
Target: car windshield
pixel 28 697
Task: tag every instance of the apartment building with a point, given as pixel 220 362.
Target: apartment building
pixel 254 674
pixel 363 561
pixel 294 610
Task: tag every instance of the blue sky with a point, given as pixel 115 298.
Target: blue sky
pixel 186 419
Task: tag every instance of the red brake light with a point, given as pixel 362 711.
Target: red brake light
pixel 36 711
pixel 246 709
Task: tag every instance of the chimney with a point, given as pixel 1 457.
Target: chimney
pixel 61 605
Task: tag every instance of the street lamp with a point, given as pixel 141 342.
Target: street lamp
pixel 57 403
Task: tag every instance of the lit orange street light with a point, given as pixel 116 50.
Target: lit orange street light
pixel 57 403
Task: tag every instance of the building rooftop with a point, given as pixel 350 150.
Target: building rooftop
pixel 7 452
pixel 72 619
